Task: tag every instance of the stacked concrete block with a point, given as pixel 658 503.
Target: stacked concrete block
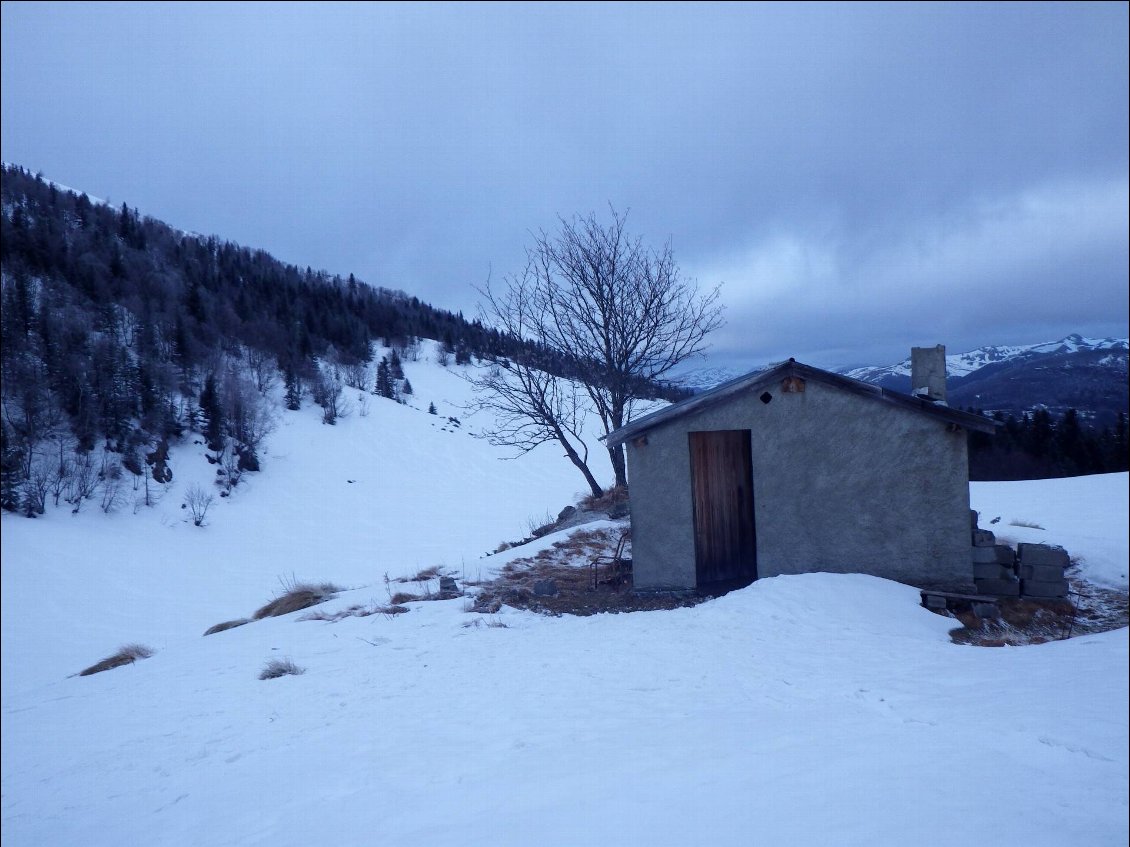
pixel 1041 568
pixel 996 562
pixel 994 565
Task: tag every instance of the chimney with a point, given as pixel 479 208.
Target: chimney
pixel 928 373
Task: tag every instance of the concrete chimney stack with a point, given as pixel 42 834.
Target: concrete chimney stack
pixel 928 373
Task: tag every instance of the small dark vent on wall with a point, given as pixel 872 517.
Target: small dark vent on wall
pixel 766 397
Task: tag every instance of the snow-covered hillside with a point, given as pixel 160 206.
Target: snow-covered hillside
pixel 820 709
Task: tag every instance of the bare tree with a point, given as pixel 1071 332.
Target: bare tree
pixel 356 375
pixel 61 472
pixel 261 366
pixel 84 480
pixel 197 501
pixel 249 415
pixel 110 475
pixel 327 391
pixel 36 487
pixel 530 404
pixel 621 314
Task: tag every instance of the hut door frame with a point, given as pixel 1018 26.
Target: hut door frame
pixel 725 534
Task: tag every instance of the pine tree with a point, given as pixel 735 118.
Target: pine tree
pixel 11 462
pixel 385 386
pixel 432 409
pixel 293 396
pixel 394 365
pixel 213 415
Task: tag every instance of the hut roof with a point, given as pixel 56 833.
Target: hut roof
pixel 793 368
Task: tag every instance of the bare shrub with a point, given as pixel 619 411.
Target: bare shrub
pixel 35 489
pixel 221 627
pixel 127 655
pixel 231 467
pixel 110 474
pixel 356 375
pixel 61 473
pixel 296 596
pixel 197 500
pixel 84 480
pixel 280 667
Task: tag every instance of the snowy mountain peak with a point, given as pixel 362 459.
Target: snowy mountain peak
pixel 962 364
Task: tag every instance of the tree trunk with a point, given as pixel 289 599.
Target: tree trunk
pixel 619 465
pixel 583 467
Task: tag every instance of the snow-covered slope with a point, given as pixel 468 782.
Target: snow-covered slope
pixel 811 710
pixel 391 490
pixel 963 364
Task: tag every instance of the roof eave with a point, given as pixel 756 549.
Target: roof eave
pixel 722 392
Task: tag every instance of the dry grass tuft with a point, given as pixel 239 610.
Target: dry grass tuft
pixel 491 623
pixel 296 596
pixel 127 655
pixel 426 575
pixel 357 611
pixel 220 627
pixel 1027 524
pixel 280 667
pixel 609 499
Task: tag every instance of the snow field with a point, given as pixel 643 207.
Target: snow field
pixel 809 710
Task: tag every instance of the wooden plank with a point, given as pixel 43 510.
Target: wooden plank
pixel 949 595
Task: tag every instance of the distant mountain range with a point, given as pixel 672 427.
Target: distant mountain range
pixel 960 365
pixel 1085 374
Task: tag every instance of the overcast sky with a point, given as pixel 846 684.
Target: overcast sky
pixel 860 178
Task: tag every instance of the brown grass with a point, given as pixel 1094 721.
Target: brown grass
pixel 612 497
pixel 1022 620
pixel 280 667
pixel 566 562
pixel 220 627
pixel 355 612
pixel 492 623
pixel 426 575
pixel 127 655
pixel 296 596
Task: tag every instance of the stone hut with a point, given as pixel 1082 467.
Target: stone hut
pixel 796 469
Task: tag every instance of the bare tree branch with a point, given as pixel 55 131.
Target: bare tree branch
pixel 623 314
pixel 530 404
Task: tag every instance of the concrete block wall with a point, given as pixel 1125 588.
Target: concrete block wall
pixel 1033 570
pixel 994 565
pixel 1041 567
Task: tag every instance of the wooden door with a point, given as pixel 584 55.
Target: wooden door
pixel 722 489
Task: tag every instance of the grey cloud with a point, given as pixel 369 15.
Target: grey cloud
pixel 820 145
